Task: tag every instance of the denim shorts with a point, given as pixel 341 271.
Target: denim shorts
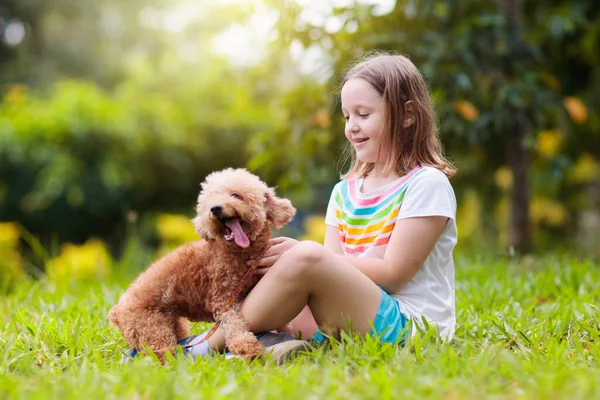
pixel 390 325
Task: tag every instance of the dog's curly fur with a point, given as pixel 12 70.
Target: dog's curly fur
pixel 196 280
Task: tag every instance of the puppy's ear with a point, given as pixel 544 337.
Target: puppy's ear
pixel 279 211
pixel 200 227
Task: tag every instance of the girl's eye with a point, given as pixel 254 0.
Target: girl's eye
pixel 346 118
pixel 363 115
pixel 237 196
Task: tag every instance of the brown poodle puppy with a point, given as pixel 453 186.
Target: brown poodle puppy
pixel 196 280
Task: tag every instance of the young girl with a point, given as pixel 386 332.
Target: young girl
pixel 387 256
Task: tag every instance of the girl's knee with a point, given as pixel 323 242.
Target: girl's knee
pixel 308 253
pixel 301 259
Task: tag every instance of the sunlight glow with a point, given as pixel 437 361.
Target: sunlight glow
pixel 175 20
pixel 247 44
pixel 14 32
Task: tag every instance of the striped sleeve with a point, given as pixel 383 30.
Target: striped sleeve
pixel 333 208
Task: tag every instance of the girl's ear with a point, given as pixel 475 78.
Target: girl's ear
pixel 409 114
pixel 279 211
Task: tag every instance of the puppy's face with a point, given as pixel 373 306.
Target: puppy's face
pixel 235 205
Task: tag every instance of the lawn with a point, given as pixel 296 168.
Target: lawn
pixel 527 328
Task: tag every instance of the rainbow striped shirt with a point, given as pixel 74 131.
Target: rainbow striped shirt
pixel 366 221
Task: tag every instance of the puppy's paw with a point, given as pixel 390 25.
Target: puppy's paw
pixel 245 345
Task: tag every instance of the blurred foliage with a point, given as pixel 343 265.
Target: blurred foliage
pixel 489 79
pixel 126 117
pixel 74 159
pixel 99 40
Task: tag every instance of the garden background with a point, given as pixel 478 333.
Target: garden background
pixel 112 113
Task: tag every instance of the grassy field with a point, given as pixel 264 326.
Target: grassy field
pixel 527 328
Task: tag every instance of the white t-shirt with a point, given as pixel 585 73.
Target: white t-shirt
pixel 366 220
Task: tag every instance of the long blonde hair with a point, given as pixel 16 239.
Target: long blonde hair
pixel 398 81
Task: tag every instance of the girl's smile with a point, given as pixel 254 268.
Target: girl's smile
pixel 364 112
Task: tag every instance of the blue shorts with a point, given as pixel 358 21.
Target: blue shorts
pixel 390 325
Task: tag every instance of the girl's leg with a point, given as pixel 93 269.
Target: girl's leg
pixel 304 325
pixel 309 274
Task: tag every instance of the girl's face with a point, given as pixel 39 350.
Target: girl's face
pixel 364 112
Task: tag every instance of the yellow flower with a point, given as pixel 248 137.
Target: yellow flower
pixel 576 109
pixel 468 217
pixel 586 169
pixel 11 262
pixel 314 229
pixel 322 118
pixel 86 262
pixel 503 177
pixel 548 211
pixel 9 234
pixel 548 143
pixel 175 229
pixel 15 93
pixel 466 110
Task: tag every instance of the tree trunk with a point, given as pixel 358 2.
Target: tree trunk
pixel 517 155
pixel 519 235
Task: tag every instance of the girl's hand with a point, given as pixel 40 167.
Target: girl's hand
pixel 277 247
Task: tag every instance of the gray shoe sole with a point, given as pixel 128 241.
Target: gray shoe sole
pixel 286 351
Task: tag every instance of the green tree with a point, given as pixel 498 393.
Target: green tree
pixel 98 40
pixel 497 73
pixel 81 148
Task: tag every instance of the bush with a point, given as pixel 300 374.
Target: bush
pixel 75 159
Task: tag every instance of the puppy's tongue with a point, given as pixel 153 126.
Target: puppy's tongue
pixel 238 234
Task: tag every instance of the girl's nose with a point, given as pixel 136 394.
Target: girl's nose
pixel 352 126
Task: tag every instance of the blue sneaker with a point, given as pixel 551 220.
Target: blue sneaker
pixel 130 354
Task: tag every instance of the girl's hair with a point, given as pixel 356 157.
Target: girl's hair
pixel 398 81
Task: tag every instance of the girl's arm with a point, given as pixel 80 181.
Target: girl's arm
pixel 333 241
pixel 411 242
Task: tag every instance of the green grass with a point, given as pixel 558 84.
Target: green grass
pixel 527 328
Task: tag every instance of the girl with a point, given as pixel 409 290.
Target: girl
pixel 387 256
